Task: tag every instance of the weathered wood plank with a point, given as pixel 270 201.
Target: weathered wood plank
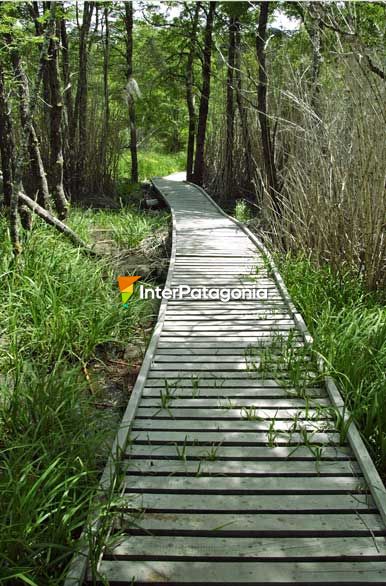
pixel 239 452
pixel 245 485
pixel 241 467
pixel 225 437
pixel 303 503
pixel 253 573
pixel 258 548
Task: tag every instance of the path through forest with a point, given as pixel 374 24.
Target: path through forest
pixel 235 449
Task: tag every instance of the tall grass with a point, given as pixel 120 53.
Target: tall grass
pixel 331 163
pixel 56 307
pixel 349 329
pixel 153 163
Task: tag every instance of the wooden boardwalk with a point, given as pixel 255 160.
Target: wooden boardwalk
pixel 236 472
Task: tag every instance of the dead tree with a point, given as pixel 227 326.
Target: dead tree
pixel 199 164
pixel 37 177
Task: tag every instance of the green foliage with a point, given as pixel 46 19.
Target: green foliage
pixel 154 163
pixel 242 212
pixel 56 308
pixel 349 329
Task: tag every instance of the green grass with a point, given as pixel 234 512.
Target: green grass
pixel 128 226
pixel 349 328
pixel 241 211
pixel 153 163
pixel 57 306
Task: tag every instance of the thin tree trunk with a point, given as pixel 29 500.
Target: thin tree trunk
pixel 78 141
pixel 7 143
pixel 131 91
pixel 266 139
pixel 106 120
pixel 68 113
pixel 56 141
pixel 198 175
pixel 37 177
pixel 230 110
pixel 241 108
pixel 189 79
pixel 7 165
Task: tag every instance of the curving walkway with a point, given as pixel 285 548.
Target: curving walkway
pixel 240 466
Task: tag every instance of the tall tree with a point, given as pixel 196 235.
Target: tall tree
pixel 8 165
pixel 79 125
pixel 131 90
pixel 189 81
pixel 266 135
pixel 106 117
pixel 68 112
pixel 243 115
pixel 7 142
pixel 198 175
pixel 56 108
pixel 230 107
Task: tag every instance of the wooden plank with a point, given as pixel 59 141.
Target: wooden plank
pixel 253 573
pixel 226 409
pixel 238 452
pixel 222 401
pixel 223 347
pixel 256 325
pixel 241 468
pixel 213 381
pixel 241 425
pixel 259 523
pixel 303 503
pixel 206 329
pixel 198 437
pixel 258 548
pixel 220 374
pixel 236 397
pixel 245 485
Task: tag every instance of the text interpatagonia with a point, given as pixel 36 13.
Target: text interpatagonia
pixel 224 294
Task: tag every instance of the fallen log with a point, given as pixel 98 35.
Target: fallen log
pixel 53 221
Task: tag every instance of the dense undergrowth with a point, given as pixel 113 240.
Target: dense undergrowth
pixel 57 308
pixel 349 330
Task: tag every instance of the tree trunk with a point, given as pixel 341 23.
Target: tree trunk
pixel 37 178
pixel 7 165
pixel 266 139
pixel 78 141
pixel 68 113
pixel 43 73
pixel 106 118
pixel 189 79
pixel 198 175
pixel 7 143
pixel 56 141
pixel 131 90
pixel 230 110
pixel 241 109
